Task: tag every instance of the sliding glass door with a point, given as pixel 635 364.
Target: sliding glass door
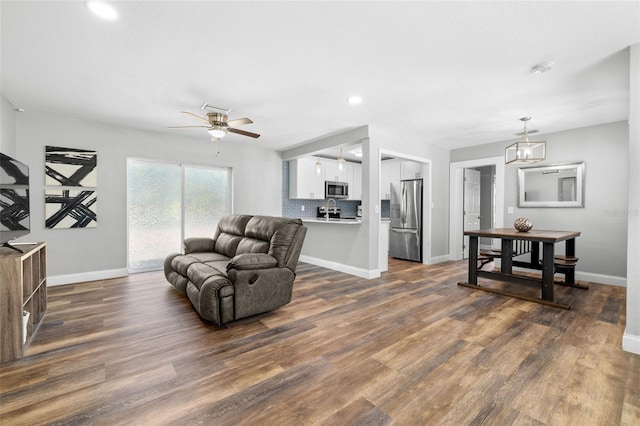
pixel 168 203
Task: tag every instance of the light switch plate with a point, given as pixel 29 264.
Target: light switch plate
pixel 510 210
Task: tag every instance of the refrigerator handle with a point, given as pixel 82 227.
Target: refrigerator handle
pixel 403 213
pixel 416 207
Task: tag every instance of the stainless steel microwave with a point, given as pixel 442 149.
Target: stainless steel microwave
pixel 336 189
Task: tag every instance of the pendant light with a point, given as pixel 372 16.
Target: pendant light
pixel 340 161
pixel 525 151
pixel 318 167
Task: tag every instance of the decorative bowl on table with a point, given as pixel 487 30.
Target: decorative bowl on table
pixel 522 224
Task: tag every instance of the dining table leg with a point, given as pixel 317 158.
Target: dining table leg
pixel 570 250
pixel 547 271
pixel 473 260
pixel 506 260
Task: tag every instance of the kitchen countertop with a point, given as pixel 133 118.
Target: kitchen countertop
pixel 332 221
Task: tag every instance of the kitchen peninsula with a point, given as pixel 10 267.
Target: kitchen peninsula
pixel 342 245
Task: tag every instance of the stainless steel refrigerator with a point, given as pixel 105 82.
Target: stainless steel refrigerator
pixel 405 232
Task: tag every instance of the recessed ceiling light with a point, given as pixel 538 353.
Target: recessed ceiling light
pixel 542 68
pixel 357 152
pixel 354 100
pixel 102 9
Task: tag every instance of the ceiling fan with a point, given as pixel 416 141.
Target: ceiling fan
pixel 218 123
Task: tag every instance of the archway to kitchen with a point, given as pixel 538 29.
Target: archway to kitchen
pixel 425 174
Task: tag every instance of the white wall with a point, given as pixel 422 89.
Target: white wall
pixel 7 128
pixel 257 183
pixel 631 340
pixel 603 222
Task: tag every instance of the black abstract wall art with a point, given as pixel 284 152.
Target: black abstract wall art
pixel 70 209
pixel 70 167
pixel 14 209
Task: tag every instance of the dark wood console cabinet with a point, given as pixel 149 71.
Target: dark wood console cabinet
pixel 23 288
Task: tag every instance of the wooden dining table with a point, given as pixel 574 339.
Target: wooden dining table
pixel 546 238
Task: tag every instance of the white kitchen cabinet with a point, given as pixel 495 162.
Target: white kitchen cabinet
pixel 304 182
pixel 389 173
pixel 355 181
pixel 410 170
pixel 332 170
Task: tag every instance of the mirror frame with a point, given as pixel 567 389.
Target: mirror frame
pixel 580 187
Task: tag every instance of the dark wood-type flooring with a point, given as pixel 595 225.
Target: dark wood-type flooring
pixel 409 348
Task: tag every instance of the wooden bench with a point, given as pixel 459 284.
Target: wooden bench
pixel 565 265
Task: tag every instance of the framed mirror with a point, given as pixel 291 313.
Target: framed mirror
pixel 553 185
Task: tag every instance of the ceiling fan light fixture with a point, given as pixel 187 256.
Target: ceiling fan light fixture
pixel 102 9
pixel 525 151
pixel 217 132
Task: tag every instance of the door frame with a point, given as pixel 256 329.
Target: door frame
pixel 456 201
pixel 465 174
pixel 426 201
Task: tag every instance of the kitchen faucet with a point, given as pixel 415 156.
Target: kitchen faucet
pixel 335 208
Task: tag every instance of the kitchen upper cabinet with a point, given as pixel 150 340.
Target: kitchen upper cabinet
pixel 304 182
pixel 332 170
pixel 389 173
pixel 355 182
pixel 410 170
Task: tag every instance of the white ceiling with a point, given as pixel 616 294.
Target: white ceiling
pixel 453 74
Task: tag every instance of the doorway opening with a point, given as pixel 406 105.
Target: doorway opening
pixel 456 200
pixel 426 176
pixel 479 207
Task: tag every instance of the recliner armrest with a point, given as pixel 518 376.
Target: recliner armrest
pixel 199 244
pixel 250 261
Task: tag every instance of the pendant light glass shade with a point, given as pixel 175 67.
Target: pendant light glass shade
pixel 340 161
pixel 318 167
pixel 525 151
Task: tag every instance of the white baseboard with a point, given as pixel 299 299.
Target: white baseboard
pixel 601 279
pixel 586 276
pixel 631 343
pixel 440 259
pixel 54 280
pixel 341 267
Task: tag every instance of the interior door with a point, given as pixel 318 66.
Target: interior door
pixel 471 212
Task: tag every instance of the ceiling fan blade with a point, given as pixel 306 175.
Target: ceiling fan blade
pixel 184 127
pixel 196 116
pixel 243 132
pixel 239 121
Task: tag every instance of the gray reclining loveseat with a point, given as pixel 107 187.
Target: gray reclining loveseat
pixel 247 268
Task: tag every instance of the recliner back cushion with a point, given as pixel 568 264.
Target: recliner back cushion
pixel 239 234
pixel 252 245
pixel 232 224
pixel 281 243
pixel 229 232
pixel 227 244
pixel 261 227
